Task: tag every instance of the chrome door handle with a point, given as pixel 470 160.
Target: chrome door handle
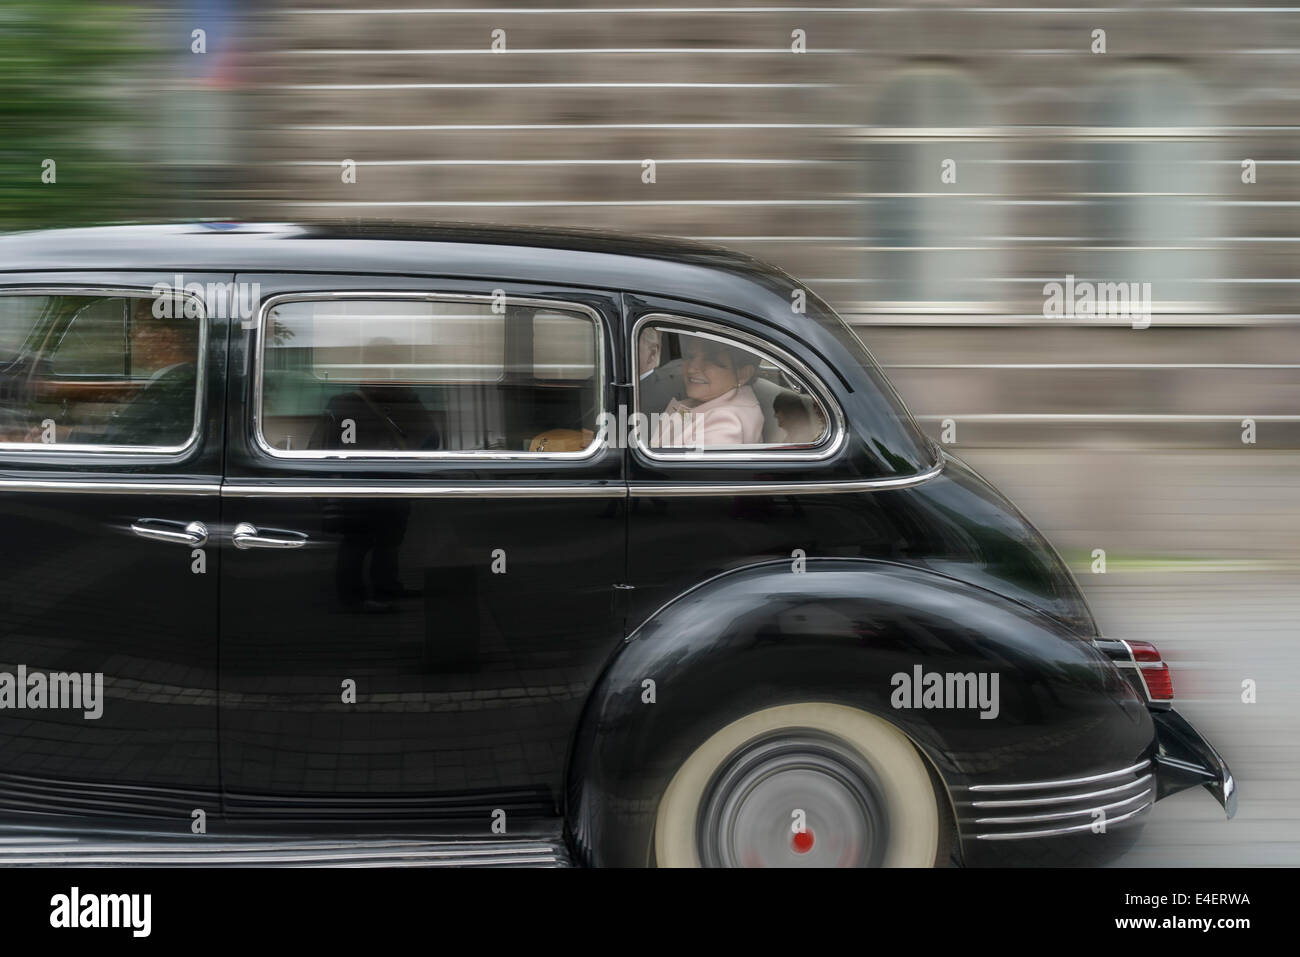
pixel 195 534
pixel 248 536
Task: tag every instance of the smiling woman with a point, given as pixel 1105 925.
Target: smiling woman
pixel 716 394
pixel 718 407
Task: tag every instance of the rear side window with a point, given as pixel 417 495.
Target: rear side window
pixel 705 389
pixel 99 372
pixel 425 376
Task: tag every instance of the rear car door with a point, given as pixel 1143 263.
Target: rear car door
pixel 706 499
pixel 426 544
pixel 111 416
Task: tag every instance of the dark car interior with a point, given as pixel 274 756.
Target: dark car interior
pixel 503 410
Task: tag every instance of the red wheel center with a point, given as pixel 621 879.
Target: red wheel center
pixel 802 841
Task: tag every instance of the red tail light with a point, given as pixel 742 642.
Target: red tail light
pixel 1154 672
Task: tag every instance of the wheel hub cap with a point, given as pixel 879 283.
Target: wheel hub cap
pixel 798 799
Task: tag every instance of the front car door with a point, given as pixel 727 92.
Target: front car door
pixel 426 544
pixel 111 418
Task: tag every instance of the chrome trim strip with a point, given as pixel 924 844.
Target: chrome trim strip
pixel 486 490
pixel 42 451
pixel 1166 762
pixel 1053 832
pixel 1066 799
pixel 787 488
pixel 107 488
pixel 290 851
pixel 269 303
pixel 1059 815
pixel 1063 782
pixel 725 333
pixel 432 490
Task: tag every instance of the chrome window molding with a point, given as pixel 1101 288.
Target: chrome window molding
pixel 489 490
pixel 788 363
pixel 452 490
pixel 429 455
pixel 40 451
pixel 432 490
pixel 833 487
pixel 107 487
pixel 541 490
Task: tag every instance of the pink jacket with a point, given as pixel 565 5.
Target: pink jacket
pixel 734 418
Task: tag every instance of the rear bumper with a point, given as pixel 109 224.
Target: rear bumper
pixel 1185 759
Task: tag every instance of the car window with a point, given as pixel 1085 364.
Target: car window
pixel 97 371
pixel 425 376
pixel 712 392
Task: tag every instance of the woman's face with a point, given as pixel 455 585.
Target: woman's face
pixel 708 369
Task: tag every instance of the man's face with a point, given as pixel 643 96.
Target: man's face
pixel 157 343
pixel 648 351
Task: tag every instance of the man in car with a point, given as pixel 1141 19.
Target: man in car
pixel 162 412
pixel 659 384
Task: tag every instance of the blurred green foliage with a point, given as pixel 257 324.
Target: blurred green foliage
pixel 64 69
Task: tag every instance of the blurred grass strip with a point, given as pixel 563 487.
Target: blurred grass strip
pixel 65 95
pixel 1080 562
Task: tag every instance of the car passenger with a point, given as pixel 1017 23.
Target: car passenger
pixel 719 408
pixel 657 383
pixel 162 413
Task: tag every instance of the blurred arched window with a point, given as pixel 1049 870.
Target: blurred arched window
pixel 1152 175
pixel 932 247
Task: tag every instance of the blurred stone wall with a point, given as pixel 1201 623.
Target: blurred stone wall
pixel 1115 166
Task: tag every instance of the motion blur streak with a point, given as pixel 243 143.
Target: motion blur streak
pixel 930 170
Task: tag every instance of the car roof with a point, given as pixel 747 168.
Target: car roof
pixel 596 259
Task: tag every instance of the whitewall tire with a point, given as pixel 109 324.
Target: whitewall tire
pixel 801 785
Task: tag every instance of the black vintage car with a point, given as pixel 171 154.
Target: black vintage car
pixel 476 544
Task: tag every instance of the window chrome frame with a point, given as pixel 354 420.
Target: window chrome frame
pixel 437 455
pixel 52 450
pixel 788 363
